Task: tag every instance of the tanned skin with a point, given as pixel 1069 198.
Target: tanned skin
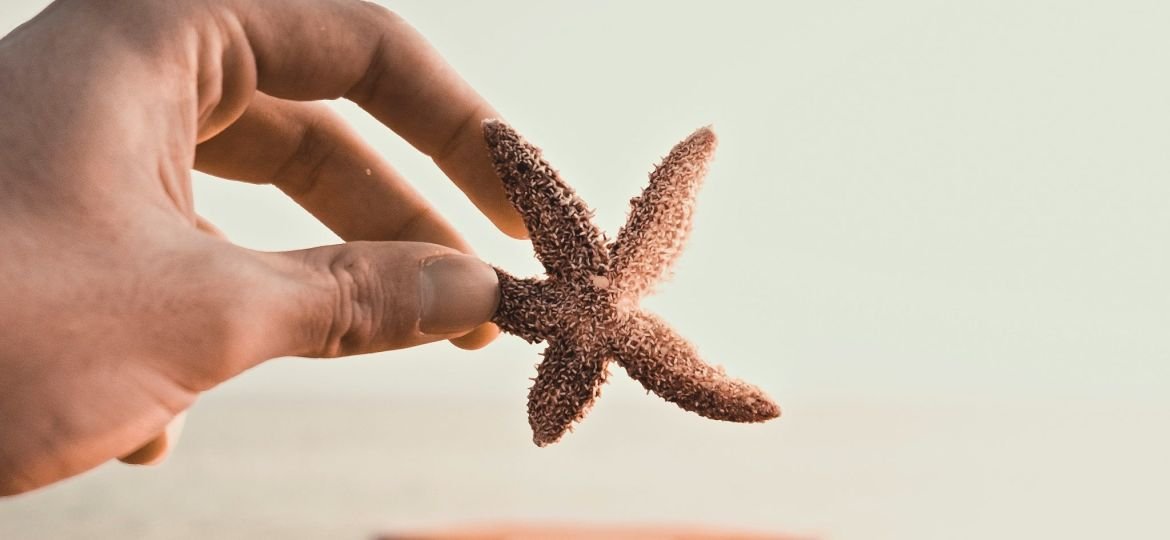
pixel 119 305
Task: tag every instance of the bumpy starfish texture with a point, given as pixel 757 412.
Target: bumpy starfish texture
pixel 587 306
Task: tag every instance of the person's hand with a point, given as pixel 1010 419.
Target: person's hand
pixel 119 305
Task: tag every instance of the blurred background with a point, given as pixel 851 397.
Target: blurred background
pixel 937 232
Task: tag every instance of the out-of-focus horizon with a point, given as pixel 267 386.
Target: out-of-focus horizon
pixel 915 205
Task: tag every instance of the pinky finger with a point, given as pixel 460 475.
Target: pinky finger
pixel 155 451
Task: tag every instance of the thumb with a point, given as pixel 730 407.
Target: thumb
pixel 364 297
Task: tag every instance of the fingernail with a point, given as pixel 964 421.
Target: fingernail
pixel 459 292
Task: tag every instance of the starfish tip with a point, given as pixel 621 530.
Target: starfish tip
pixel 495 131
pixel 770 411
pixel 704 137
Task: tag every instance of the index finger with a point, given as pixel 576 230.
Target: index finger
pixel 325 49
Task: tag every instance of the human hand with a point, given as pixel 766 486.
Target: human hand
pixel 119 305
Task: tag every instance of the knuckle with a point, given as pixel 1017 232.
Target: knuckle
pixel 301 172
pixel 385 24
pixel 415 220
pixel 353 326
pixel 467 129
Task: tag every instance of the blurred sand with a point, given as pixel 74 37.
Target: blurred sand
pixel 267 468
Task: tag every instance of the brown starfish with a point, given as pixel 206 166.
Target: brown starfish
pixel 587 308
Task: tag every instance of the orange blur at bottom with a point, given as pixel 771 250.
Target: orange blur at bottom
pixel 514 531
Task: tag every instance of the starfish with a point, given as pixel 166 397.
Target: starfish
pixel 587 306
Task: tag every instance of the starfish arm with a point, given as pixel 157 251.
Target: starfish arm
pixel 563 235
pixel 660 219
pixel 668 365
pixel 567 383
pixel 520 311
